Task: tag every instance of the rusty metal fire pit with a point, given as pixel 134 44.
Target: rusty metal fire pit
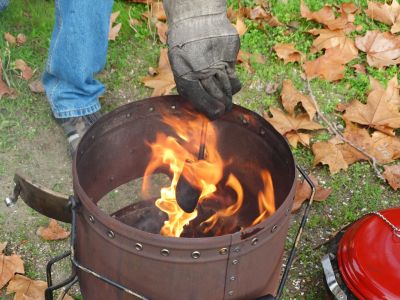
pixel 116 261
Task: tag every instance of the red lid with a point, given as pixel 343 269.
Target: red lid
pixel 369 257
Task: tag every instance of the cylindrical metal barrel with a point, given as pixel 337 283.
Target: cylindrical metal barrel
pixel 242 265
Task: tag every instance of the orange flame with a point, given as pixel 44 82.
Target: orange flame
pixel 180 155
pixel 266 199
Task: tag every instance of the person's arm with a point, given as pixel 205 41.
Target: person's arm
pixel 203 47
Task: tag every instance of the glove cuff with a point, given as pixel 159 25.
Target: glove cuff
pixel 193 20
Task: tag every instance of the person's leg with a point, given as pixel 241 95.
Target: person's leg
pixel 77 52
pixel 3 4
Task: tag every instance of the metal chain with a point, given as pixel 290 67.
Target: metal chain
pixel 396 230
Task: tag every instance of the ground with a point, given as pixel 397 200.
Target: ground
pixel 31 142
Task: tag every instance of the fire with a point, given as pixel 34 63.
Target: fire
pixel 180 154
pixel 266 198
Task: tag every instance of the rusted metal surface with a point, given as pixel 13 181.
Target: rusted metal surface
pixel 41 199
pixel 243 265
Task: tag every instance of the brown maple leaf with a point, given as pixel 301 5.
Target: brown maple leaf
pixel 341 48
pixel 4 89
pixel 321 16
pixel 162 29
pixel 383 49
pixel 26 71
pixel 378 112
pixel 244 58
pixel 289 53
pixel 291 97
pixel 163 82
pixel 391 94
pixel 382 147
pixel 258 13
pixel 240 26
pixel 26 288
pixel 303 193
pixel 292 126
pixel 114 29
pixel 326 16
pixel 9 265
pixel 10 38
pixel 392 175
pixel 326 67
pixel 53 232
pixel 156 12
pixel 328 154
pixel 385 13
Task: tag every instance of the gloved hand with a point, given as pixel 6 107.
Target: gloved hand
pixel 203 47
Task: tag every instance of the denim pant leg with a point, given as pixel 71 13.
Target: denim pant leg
pixel 78 51
pixel 3 4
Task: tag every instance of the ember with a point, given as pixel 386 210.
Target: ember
pixel 220 191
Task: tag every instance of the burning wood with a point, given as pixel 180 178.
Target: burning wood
pixel 180 154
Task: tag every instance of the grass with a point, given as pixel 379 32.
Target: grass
pixel 25 122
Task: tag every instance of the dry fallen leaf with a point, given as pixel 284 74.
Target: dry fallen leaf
pixel 383 49
pixel 26 71
pixel 164 81
pixel 157 11
pixel 10 38
pixel 240 26
pixel 162 29
pixel 325 67
pixel 258 13
pixel 392 175
pixel 328 154
pixel 391 94
pixel 26 288
pixel 3 247
pixel 385 13
pixel 383 147
pixel 291 97
pixel 289 53
pixel 36 86
pixel 114 30
pixel 359 68
pixel 4 89
pixel 303 193
pixel 378 112
pixel 325 14
pixel 21 39
pixel 292 126
pixel 53 232
pixel 243 58
pixel 9 265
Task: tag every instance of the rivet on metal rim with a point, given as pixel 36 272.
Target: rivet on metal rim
pixel 139 247
pixel 91 219
pixel 235 262
pixel 230 293
pixel 151 109
pixel 244 121
pixel 92 137
pixel 111 234
pixel 164 252
pixel 195 254
pixel 262 132
pixel 274 228
pixel 128 115
pixel 223 251
pixel 233 278
pixel 254 241
pixel 173 107
pixel 236 250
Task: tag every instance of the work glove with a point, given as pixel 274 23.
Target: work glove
pixel 203 47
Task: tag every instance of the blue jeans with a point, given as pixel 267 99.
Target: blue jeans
pixel 3 4
pixel 78 51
